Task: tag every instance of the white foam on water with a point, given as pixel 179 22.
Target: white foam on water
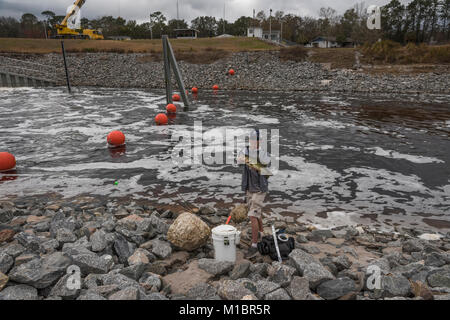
pixel 396 155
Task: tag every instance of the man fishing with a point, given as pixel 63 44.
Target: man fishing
pixel 255 184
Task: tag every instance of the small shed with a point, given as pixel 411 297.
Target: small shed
pixel 186 33
pixel 255 32
pixel 324 42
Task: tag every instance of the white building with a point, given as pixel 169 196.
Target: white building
pixel 255 32
pixel 324 42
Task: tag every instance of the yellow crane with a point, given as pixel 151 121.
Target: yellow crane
pixel 63 31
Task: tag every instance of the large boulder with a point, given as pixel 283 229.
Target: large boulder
pixel 239 213
pixel 188 232
pixel 19 292
pixel 334 289
pixel 309 268
pixel 214 267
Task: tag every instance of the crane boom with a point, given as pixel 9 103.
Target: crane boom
pixel 77 3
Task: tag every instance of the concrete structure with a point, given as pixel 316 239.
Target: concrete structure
pixel 255 32
pixel 21 73
pixel 186 33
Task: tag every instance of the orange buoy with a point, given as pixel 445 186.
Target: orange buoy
pixel 172 116
pixel 161 119
pixel 176 97
pixel 116 138
pixel 215 87
pixel 7 161
pixel 194 90
pixel 171 108
pixel 231 72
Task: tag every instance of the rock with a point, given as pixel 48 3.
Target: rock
pixel 150 281
pixel 214 267
pixel 182 282
pixel 6 262
pixel 154 296
pixel 50 246
pixel 130 293
pixel 91 296
pixel 281 274
pixel 29 241
pixel 65 236
pixel 299 288
pixel 3 280
pixel 6 235
pixel 13 249
pixel 240 270
pixel 342 263
pixel 395 286
pixel 334 289
pixel 301 239
pixel 123 249
pixel 61 290
pixel 140 256
pixel 160 225
pixel 89 262
pixel 412 245
pixel 260 268
pixel 239 213
pixel 320 235
pixel 309 268
pixel 203 291
pixel 24 258
pixel 279 294
pixel 115 278
pixel 435 259
pixel 206 210
pixel 421 290
pixel 439 278
pixel 233 290
pixel 161 249
pixel 264 287
pixel 41 273
pixel 98 241
pixel 134 271
pixel 188 232
pixel 19 292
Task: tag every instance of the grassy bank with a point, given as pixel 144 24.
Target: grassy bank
pixel 42 46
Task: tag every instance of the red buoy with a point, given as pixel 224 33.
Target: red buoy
pixel 171 108
pixel 116 138
pixel 194 90
pixel 176 97
pixel 215 87
pixel 161 119
pixel 7 161
pixel 231 72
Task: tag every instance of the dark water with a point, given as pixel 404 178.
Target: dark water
pixel 374 159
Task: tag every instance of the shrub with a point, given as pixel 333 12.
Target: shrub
pixel 296 53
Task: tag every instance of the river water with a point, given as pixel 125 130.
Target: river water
pixel 381 160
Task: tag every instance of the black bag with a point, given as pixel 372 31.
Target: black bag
pixel 267 246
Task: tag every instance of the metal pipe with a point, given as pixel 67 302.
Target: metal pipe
pixel 177 73
pixel 167 74
pixel 65 66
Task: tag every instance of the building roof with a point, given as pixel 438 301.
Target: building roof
pixel 187 30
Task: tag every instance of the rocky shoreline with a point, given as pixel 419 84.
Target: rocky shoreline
pixel 123 253
pixel 256 71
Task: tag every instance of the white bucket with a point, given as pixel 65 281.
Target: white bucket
pixel 225 238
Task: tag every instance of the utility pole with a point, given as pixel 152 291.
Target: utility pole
pixel 223 18
pixel 281 31
pixel 178 17
pixel 270 25
pixel 151 27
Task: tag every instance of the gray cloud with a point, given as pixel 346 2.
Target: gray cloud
pixel 189 9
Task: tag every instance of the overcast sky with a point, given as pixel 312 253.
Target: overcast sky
pixel 189 9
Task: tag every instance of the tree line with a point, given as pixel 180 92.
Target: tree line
pixel 418 21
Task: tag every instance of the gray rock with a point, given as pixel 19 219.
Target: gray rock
pixel 240 270
pixel 153 296
pixel 260 268
pixel 342 262
pixel 41 273
pixel 134 271
pixel 412 245
pixel 264 287
pixel 320 235
pixel 395 286
pixel 301 239
pixel 115 278
pixel 309 268
pixel 279 294
pixel 98 241
pixel 13 249
pixel 334 289
pixel 91 295
pixel 19 292
pixel 161 249
pixel 299 288
pixel 439 278
pixel 64 235
pixel 59 221
pixel 281 274
pixel 130 293
pixel 159 224
pixel 89 262
pixel 203 291
pixel 123 249
pixel 206 210
pixel 435 259
pixel 29 241
pixel 6 263
pixel 50 246
pixel 214 267
pixel 150 281
pixel 61 289
pixel 233 290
